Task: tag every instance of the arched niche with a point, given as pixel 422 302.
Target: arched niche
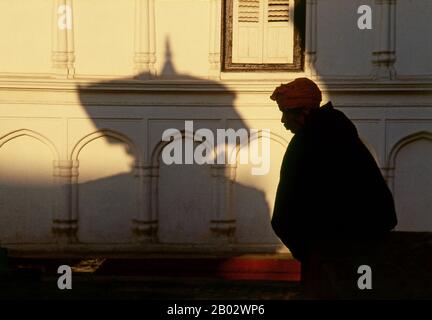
pixel 26 187
pixel 411 160
pixel 105 190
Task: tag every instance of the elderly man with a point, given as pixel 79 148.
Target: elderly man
pixel 332 200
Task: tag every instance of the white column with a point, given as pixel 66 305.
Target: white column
pixel 154 193
pixel 74 214
pixel 214 38
pixel 63 56
pixel 384 55
pixel 144 57
pixel 223 223
pixel 64 223
pixel 311 37
pixel 145 224
pixel 70 44
pixel 389 174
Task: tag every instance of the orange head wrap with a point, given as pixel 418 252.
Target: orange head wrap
pixel 301 92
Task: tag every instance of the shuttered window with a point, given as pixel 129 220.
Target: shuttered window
pixel 261 32
pixel 247 31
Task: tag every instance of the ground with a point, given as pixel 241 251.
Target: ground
pixel 256 278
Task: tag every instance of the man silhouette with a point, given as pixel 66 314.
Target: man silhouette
pixel 332 201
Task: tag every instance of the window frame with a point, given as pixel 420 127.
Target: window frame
pixel 298 50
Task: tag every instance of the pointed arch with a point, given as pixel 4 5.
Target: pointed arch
pixel 30 133
pixel 410 183
pixel 104 133
pixel 405 141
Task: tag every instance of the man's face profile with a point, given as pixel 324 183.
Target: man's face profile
pixel 293 119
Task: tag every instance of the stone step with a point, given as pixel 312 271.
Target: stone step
pixel 248 267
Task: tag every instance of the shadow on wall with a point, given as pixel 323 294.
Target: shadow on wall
pixel 122 185
pixel 124 191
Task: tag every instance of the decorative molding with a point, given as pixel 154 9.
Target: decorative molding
pixel 405 141
pixel 215 38
pixel 391 163
pixel 145 225
pixel 145 39
pixel 26 132
pixel 414 77
pixel 388 174
pixel 65 223
pixel 223 230
pixel 223 225
pixel 74 204
pixel 311 37
pixel 384 55
pixel 63 56
pixel 227 94
pixel 199 86
pixel 65 231
pixel 103 133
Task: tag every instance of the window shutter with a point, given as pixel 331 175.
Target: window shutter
pixel 278 11
pixel 278 31
pixel 248 27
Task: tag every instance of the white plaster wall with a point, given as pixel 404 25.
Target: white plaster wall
pixel 343 50
pixel 183 36
pixel 413 45
pixel 21 27
pixel 103 37
pixel 185 203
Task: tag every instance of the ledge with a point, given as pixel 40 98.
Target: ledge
pixel 205 85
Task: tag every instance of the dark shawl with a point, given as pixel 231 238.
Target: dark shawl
pixel 331 189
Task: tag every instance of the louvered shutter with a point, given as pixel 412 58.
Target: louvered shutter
pixel 248 23
pixel 278 28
